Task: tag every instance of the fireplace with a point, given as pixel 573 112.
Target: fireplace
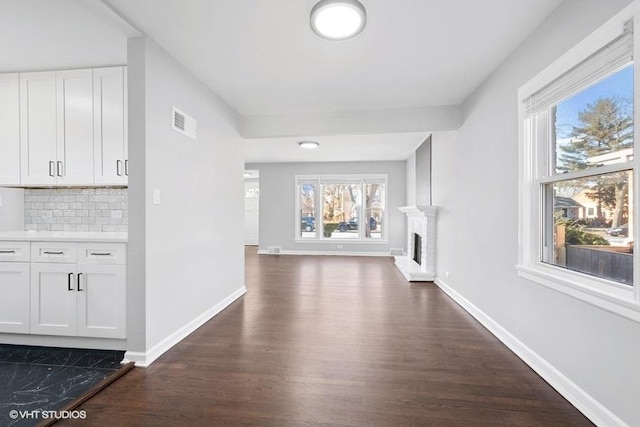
pixel 420 262
pixel 417 248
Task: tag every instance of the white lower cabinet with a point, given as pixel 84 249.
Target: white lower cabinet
pixel 14 300
pixel 101 300
pixel 14 287
pixel 53 299
pixel 80 291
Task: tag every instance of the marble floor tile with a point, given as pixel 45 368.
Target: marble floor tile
pixel 47 379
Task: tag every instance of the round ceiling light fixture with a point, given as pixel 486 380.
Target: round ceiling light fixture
pixel 338 19
pixel 308 145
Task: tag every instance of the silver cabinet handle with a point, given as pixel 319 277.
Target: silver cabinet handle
pixel 52 169
pixel 60 171
pixel 7 252
pixel 52 253
pixel 126 167
pixel 118 167
pixel 100 254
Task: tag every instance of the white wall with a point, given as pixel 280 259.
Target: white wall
pixel 423 173
pixel 11 209
pixel 277 204
pixel 188 250
pixel 411 180
pixel 475 176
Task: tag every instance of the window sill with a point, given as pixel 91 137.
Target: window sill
pixel 617 299
pixel 340 241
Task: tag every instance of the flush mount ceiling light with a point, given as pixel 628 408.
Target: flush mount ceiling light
pixel 338 19
pixel 308 145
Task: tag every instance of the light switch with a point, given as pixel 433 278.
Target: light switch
pixel 156 196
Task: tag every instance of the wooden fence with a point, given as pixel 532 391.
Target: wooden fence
pixel 605 263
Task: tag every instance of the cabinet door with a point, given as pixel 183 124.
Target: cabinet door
pixel 9 129
pixel 75 127
pixel 102 301
pixel 53 299
pixel 38 128
pixel 109 125
pixel 14 304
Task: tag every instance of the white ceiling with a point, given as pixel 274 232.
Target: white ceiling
pixel 345 148
pixel 260 56
pixel 38 35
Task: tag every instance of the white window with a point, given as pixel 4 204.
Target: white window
pixel 578 175
pixel 331 208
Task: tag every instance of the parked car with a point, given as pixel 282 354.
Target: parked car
pixel 308 223
pixel 353 224
pixel 622 230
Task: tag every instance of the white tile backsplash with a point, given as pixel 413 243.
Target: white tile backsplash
pixel 76 209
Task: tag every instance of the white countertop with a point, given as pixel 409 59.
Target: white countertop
pixel 64 236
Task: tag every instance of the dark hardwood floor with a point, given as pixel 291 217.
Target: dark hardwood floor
pixel 334 341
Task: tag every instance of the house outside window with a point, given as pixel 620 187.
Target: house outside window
pixel 333 207
pixel 578 210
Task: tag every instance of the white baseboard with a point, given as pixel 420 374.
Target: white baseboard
pixel 146 359
pixel 333 253
pixel 584 402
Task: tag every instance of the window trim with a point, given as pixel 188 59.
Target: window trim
pixel 322 179
pixel 533 161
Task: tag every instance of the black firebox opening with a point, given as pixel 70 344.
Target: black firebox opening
pixel 417 248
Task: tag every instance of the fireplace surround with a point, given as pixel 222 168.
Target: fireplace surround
pixel 421 222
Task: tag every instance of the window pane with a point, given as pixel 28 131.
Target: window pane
pixel 589 225
pixel 595 126
pixel 340 210
pixel 307 210
pixel 374 210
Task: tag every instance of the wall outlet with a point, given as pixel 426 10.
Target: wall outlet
pixel 446 274
pixel 273 250
pixel 340 246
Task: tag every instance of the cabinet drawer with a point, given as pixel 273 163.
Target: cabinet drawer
pixel 102 253
pixel 60 252
pixel 15 251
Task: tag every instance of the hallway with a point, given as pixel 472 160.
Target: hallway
pixel 323 340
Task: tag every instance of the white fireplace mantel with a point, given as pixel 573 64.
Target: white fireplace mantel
pixel 421 220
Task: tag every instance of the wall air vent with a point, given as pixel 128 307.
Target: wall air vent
pixel 183 123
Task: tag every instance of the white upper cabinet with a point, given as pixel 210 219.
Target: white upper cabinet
pixel 71 128
pixel 38 127
pixel 111 164
pixel 74 163
pixel 9 129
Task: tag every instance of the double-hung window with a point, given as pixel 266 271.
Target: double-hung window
pixel 341 208
pixel 578 184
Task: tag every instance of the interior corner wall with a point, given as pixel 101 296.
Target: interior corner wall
pixel 194 256
pixel 277 204
pixel 475 182
pixel 137 243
